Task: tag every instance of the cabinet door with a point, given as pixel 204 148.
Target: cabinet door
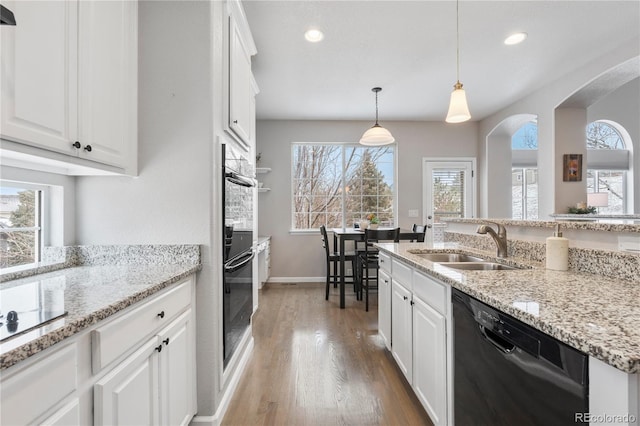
pixel 384 308
pixel 67 415
pixel 430 366
pixel 401 328
pixel 177 371
pixel 240 85
pixel 39 75
pixel 108 80
pixel 128 395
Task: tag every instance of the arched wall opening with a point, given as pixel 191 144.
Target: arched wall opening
pixel 499 163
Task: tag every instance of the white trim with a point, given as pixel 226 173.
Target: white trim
pixel 297 279
pixel 216 419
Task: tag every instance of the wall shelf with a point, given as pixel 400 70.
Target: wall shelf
pixel 260 170
pixel 264 189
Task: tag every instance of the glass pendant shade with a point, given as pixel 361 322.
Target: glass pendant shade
pixel 377 136
pixel 458 108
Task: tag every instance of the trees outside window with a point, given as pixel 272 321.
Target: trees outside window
pixel 603 136
pixel 19 226
pixel 338 185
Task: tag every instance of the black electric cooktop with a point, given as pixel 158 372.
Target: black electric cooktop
pixel 27 306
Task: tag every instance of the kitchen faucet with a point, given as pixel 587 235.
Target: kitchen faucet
pixel 500 238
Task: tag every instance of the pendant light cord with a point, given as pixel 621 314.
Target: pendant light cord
pixel 377 108
pixel 457 41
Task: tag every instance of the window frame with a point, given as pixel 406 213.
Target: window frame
pixel 41 228
pixel 343 146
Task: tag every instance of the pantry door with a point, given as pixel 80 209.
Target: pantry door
pixel 448 188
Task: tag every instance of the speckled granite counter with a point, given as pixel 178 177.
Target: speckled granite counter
pixel 592 313
pixel 112 278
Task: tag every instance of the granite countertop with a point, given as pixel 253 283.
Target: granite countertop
pixel 595 314
pixel 93 292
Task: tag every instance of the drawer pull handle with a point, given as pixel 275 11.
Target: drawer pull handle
pixel 386 281
pixel 161 314
pixel 87 148
pixel 159 348
pixel 166 341
pixel 76 144
pixel 412 303
pixel 405 297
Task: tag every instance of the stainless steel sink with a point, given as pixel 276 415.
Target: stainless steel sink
pixel 449 257
pixel 479 266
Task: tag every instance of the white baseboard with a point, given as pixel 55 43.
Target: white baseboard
pixel 297 279
pixel 216 419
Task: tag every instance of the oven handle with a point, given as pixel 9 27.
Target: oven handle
pixel 240 261
pixel 239 179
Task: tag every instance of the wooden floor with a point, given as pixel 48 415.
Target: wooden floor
pixel 314 364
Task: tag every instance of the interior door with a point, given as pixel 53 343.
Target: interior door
pixel 448 192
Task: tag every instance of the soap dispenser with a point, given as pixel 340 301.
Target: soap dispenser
pixel 557 251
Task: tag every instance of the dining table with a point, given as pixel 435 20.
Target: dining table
pixel 340 235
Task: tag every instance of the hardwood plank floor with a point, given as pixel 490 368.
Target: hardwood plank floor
pixel 314 364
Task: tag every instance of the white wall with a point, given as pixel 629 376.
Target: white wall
pixel 543 103
pixel 303 255
pixel 174 200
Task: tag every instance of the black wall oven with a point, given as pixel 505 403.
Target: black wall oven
pixel 237 247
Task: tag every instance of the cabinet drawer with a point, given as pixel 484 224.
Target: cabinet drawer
pixel 385 262
pixel 30 393
pixel 401 273
pixel 430 291
pixel 115 338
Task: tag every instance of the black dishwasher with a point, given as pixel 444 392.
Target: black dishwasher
pixel 508 373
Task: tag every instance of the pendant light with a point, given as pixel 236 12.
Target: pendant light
pixel 458 108
pixel 377 135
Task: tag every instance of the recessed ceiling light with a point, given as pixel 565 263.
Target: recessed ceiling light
pixel 515 38
pixel 313 35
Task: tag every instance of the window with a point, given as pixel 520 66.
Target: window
pixel 607 165
pixel 524 172
pixel 20 225
pixel 338 185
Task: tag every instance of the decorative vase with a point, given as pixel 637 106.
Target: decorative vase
pixel 373 226
pixel 364 224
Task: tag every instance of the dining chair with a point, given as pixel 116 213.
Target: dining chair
pixel 421 230
pixel 333 258
pixel 368 260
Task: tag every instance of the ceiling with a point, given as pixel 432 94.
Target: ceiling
pixel 409 49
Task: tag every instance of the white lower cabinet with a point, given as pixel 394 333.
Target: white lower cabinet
pixel 137 368
pixel 420 315
pixel 384 307
pixel 67 415
pixel 177 372
pixel 154 385
pixel 401 328
pixel 129 394
pixel 430 360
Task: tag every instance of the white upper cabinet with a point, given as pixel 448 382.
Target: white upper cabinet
pixel 108 80
pixel 69 81
pixel 39 75
pixel 241 85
